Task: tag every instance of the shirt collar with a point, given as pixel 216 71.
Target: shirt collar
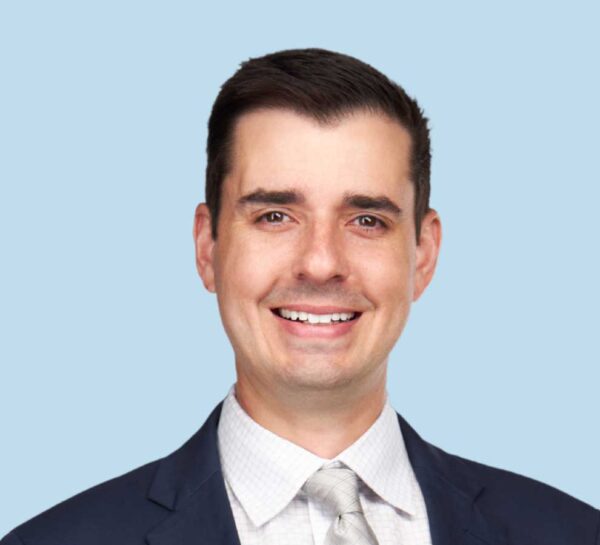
pixel 265 471
pixel 380 459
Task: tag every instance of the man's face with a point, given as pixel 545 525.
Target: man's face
pixel 316 264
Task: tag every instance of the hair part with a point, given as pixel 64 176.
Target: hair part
pixel 325 86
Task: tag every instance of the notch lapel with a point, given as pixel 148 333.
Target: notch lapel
pixel 204 518
pixel 190 484
pixel 450 490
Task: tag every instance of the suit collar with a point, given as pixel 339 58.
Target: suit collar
pixel 189 483
pixel 451 491
pixel 184 471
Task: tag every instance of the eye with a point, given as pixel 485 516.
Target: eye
pixel 369 222
pixel 273 217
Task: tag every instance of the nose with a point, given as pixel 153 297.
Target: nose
pixel 321 254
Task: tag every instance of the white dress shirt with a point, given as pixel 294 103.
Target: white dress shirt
pixel 264 474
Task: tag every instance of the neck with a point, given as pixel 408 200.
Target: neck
pixel 324 422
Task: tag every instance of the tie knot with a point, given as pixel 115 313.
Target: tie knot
pixel 336 487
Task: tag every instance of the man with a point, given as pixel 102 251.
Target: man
pixel 316 238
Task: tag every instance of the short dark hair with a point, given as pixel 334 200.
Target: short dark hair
pixel 325 86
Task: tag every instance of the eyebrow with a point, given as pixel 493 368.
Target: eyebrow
pixel 368 202
pixel 351 200
pixel 262 196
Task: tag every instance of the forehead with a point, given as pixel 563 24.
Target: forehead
pixel 276 148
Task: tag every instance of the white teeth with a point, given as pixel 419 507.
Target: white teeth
pixel 315 318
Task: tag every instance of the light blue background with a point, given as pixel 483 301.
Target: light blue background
pixel 112 354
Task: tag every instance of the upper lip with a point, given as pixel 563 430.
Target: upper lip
pixel 317 309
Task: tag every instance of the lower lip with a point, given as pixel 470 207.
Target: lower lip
pixel 323 331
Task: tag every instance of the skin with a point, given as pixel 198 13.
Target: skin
pixel 319 389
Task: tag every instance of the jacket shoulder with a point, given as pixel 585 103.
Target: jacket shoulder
pixel 123 510
pixel 521 509
pixel 529 508
pixel 116 511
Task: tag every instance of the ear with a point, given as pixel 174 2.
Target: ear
pixel 428 249
pixel 204 246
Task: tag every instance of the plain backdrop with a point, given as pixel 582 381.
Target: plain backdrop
pixel 111 352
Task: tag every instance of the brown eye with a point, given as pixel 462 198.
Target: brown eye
pixel 272 217
pixel 370 222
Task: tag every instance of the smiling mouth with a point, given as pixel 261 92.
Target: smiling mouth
pixel 316 319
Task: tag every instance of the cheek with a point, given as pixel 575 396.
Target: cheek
pixel 246 272
pixel 386 275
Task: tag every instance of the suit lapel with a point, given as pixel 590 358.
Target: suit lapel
pixel 450 490
pixel 189 483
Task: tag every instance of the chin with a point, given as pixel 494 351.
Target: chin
pixel 314 375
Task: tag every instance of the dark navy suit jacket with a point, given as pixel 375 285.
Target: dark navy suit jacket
pixel 181 500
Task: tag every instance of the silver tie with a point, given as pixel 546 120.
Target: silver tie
pixel 337 487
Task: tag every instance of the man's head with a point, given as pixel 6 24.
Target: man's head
pixel 317 258
pixel 322 85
